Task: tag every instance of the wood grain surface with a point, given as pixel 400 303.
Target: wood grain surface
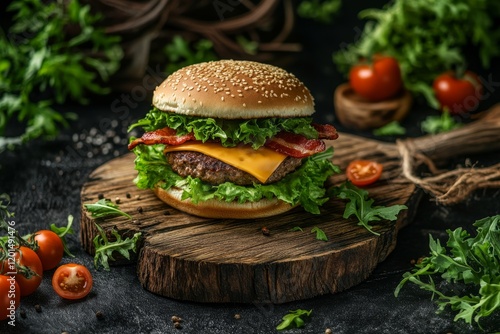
pixel 211 260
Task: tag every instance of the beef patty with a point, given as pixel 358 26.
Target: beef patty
pixel 214 171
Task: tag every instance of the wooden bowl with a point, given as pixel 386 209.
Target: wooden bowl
pixel 353 111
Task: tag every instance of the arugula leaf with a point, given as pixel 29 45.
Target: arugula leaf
pixel 390 129
pixel 320 234
pixel 296 229
pixel 362 207
pixel 104 248
pixel 294 319
pixel 305 186
pixel 62 231
pixel 470 263
pixel 321 11
pixel 180 54
pixel 441 123
pixel 105 208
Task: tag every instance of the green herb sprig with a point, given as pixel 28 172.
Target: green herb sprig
pixel 473 261
pixel 361 206
pixel 322 11
pixel 320 234
pixel 180 53
pixel 393 128
pixel 438 124
pixel 105 208
pixel 294 319
pixel 62 232
pixel 104 248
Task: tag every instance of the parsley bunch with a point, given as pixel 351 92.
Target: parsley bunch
pixel 427 37
pixel 471 264
pixel 52 52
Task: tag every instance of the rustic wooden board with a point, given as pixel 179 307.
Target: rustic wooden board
pixel 211 260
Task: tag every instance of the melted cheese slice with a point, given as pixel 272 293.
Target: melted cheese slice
pixel 260 163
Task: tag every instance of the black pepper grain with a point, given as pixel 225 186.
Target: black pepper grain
pixel 100 196
pixel 265 231
pixel 38 308
pixel 99 315
pixel 23 314
pixel 128 195
pixel 139 209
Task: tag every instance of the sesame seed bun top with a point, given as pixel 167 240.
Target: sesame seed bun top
pixel 234 89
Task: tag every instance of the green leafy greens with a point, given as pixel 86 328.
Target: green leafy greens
pixel 294 318
pixel 228 132
pixel 180 54
pixel 427 37
pixel 62 231
pixel 361 206
pixel 43 61
pixel 390 129
pixel 104 248
pixel 319 10
pixel 471 260
pixel 320 234
pixel 105 208
pixel 441 123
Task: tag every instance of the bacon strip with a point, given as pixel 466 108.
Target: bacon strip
pixel 284 142
pixel 161 136
pixel 326 131
pixel 294 145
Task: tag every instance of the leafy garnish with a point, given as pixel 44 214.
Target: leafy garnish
pixel 62 231
pixel 181 54
pixel 321 11
pixel 320 234
pixel 470 264
pixel 52 52
pixel 105 208
pixel 294 319
pixel 296 229
pixel 361 206
pixel 437 124
pixel 390 129
pixel 104 248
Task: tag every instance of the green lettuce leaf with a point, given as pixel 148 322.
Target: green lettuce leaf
pixel 305 186
pixel 228 132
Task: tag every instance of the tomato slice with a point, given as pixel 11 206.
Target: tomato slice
pixel 363 172
pixel 72 281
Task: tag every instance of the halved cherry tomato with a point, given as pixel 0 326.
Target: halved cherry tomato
pixel 459 94
pixel 363 172
pixel 10 296
pixel 378 81
pixel 50 248
pixel 29 277
pixel 72 281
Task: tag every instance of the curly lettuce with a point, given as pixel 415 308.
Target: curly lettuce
pixel 228 132
pixel 305 186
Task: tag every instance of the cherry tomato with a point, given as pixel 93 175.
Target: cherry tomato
pixel 378 81
pixel 26 257
pixel 458 94
pixel 72 281
pixel 10 296
pixel 50 248
pixel 363 172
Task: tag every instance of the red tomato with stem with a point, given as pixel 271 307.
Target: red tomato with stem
pixel 10 297
pixel 363 172
pixel 458 93
pixel 29 277
pixel 377 81
pixel 72 281
pixel 50 248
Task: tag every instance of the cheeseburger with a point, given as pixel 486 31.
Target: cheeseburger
pixel 233 139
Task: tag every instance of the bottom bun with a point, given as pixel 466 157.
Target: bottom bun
pixel 219 209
